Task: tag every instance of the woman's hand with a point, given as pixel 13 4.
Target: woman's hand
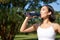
pixel 28 16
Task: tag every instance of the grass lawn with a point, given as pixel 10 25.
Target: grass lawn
pixel 30 37
pixel 26 37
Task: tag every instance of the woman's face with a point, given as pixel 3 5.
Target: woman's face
pixel 44 12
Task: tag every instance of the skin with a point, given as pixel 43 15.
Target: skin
pixel 46 23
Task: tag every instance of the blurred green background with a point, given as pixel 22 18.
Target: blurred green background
pixel 12 16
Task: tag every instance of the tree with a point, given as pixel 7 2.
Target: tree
pixel 57 17
pixel 9 23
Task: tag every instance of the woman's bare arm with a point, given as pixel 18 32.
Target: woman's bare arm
pixel 58 28
pixel 24 26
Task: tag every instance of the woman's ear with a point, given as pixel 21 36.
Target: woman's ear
pixel 49 13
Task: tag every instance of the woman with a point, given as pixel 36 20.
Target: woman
pixel 47 29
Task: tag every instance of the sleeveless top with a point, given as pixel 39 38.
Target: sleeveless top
pixel 46 33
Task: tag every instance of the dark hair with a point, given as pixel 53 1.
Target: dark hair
pixel 52 16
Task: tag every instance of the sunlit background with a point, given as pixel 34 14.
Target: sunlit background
pixel 12 15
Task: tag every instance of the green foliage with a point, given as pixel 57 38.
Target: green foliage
pixel 57 17
pixel 10 20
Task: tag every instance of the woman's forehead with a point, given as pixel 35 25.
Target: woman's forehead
pixel 44 7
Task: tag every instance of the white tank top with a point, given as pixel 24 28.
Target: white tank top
pixel 46 33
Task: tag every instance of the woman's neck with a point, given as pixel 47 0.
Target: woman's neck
pixel 46 21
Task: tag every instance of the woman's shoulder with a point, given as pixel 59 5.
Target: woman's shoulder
pixel 56 25
pixel 36 25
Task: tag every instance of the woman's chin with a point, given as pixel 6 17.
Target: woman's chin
pixel 42 17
